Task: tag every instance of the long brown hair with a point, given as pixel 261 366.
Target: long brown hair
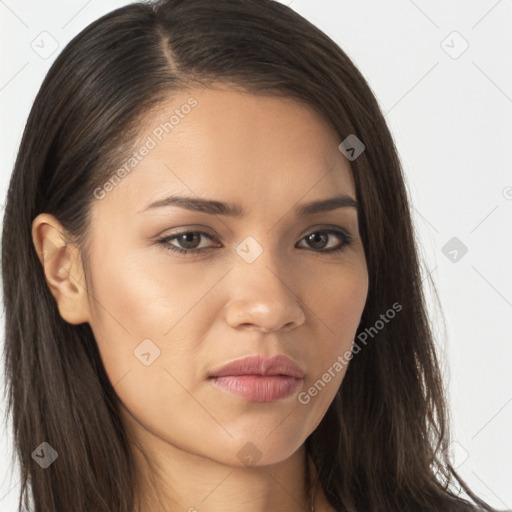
pixel 383 443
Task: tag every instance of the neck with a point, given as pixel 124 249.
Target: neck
pixel 171 479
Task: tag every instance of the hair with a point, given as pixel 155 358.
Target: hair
pixel 383 443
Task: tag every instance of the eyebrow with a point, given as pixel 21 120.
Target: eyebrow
pixel 213 207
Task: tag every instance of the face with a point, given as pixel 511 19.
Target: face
pixel 266 282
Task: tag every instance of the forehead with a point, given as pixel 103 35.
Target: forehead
pixel 234 146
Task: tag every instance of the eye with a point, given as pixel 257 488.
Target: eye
pixel 320 240
pixel 190 241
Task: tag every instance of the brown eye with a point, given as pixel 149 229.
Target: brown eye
pixel 319 240
pixel 188 241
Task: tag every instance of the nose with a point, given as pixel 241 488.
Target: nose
pixel 263 297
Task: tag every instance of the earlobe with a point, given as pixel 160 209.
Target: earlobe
pixel 62 267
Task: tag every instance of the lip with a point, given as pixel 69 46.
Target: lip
pixel 259 365
pixel 259 379
pixel 257 388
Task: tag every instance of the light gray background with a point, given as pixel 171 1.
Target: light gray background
pixel 450 113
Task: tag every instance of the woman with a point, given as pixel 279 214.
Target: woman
pixel 212 290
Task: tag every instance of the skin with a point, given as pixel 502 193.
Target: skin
pixel 268 154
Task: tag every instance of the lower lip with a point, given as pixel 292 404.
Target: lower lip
pixel 258 388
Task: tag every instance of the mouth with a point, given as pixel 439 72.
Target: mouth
pixel 258 365
pixel 259 388
pixel 259 379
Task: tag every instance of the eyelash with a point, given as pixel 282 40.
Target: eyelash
pixel 347 240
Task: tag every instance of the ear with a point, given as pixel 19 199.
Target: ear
pixel 63 270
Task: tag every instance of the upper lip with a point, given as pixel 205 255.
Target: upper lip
pixel 259 365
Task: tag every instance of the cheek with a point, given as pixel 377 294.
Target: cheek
pixel 150 324
pixel 140 309
pixel 337 303
pixel 336 307
pixel 146 326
